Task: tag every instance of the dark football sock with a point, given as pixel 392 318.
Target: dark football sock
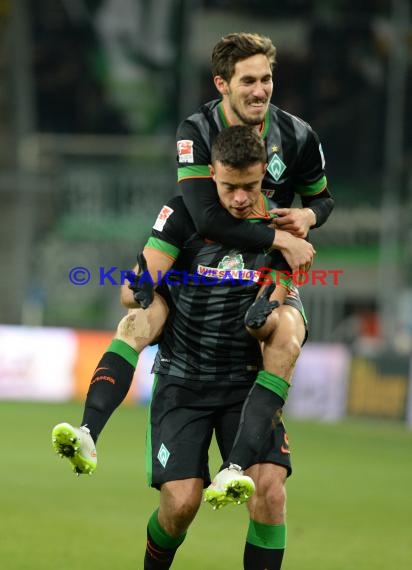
pixel 265 546
pixel 261 408
pixel 161 547
pixel 109 385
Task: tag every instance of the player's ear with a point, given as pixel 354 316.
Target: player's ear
pixel 212 171
pixel 220 84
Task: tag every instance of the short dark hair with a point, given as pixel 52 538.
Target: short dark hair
pixel 238 147
pixel 237 46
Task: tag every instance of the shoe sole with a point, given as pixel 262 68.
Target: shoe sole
pixel 66 444
pixel 236 492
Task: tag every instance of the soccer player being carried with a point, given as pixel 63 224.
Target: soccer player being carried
pixel 207 363
pixel 242 68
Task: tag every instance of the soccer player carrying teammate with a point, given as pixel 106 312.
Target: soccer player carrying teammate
pixel 207 361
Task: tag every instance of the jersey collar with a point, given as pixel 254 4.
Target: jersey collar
pixel 260 212
pixel 264 127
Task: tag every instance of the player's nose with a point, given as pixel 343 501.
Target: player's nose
pixel 240 197
pixel 259 90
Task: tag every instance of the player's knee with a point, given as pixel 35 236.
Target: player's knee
pixel 187 507
pixel 182 514
pixel 141 327
pixel 133 330
pixel 272 494
pixel 268 329
pixel 275 497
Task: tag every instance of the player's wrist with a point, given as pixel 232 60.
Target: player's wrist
pixel 312 218
pixel 280 240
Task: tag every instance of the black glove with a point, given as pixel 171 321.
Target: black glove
pixel 143 291
pixel 259 311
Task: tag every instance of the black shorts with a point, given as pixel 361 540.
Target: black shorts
pixel 184 414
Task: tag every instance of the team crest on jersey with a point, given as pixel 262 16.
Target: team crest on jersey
pixel 185 151
pixel 161 219
pixel 163 455
pixel 233 260
pixel 276 167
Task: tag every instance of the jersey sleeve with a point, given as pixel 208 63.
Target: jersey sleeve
pixel 168 232
pixel 201 200
pixel 310 177
pixel 311 182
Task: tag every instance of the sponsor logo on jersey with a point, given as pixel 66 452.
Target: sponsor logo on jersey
pixel 246 275
pixel 164 214
pixel 276 167
pixel 185 151
pixel 284 448
pixel 268 193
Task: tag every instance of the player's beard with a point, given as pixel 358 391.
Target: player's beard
pixel 246 119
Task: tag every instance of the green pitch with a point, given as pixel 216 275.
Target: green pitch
pixel 349 500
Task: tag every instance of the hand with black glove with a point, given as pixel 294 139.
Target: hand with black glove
pixel 141 283
pixel 259 311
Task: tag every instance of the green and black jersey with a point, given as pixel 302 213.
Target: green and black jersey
pixel 211 287
pixel 296 166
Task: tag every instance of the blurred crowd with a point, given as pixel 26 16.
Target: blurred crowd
pixel 337 84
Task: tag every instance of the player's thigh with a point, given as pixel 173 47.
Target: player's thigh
pixel 179 433
pixel 282 348
pixel 290 324
pixel 293 307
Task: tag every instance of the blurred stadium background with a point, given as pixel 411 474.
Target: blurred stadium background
pixel 91 92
